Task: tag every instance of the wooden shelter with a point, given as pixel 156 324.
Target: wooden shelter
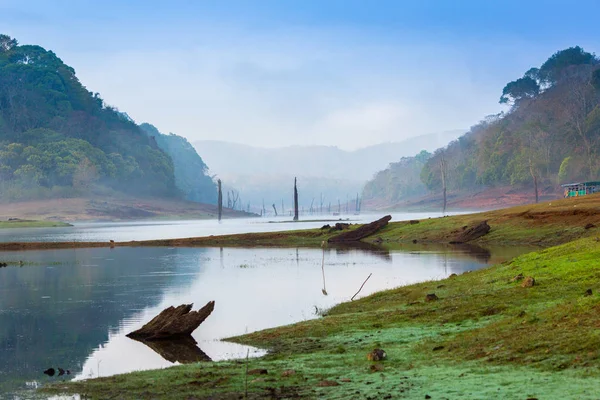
pixel 581 188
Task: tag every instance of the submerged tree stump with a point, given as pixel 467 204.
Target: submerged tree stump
pixel 362 232
pixel 173 323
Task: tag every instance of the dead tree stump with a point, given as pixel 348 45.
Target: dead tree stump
pixel 173 323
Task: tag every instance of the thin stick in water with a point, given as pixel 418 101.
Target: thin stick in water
pixel 361 286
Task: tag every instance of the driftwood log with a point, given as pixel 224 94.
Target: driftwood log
pixel 362 232
pixel 173 323
pixel 472 233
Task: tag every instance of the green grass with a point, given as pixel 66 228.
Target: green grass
pixel 486 337
pixel 21 223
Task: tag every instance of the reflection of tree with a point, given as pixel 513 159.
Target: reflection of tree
pixel 324 290
pixel 367 248
pixel 184 351
pixel 84 303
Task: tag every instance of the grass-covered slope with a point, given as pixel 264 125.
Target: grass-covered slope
pixel 543 224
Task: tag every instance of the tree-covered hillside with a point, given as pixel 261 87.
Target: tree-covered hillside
pixel 58 139
pixel 190 171
pixel 401 180
pixel 550 135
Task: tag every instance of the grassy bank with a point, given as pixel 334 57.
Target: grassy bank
pixel 23 223
pixel 544 224
pixel 486 336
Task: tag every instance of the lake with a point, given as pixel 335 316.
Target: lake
pixel 72 308
pixel 150 230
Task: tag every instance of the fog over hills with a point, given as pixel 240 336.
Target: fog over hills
pixel 267 173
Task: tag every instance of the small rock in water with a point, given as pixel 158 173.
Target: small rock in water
pixel 50 372
pixel 376 355
pixel 431 297
pixel 61 372
pixel 528 282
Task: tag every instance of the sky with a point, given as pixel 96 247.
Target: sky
pixel 276 73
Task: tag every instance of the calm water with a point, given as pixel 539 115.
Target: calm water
pixel 72 308
pixel 126 231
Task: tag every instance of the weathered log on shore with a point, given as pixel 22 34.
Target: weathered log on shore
pixel 472 233
pixel 362 232
pixel 173 323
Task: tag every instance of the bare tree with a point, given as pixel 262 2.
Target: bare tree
pixel 295 200
pixel 235 196
pixel 321 204
pixel 220 199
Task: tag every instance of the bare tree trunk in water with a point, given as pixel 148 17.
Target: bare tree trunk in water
pixel 295 201
pixel 443 172
pixel 274 209
pixel 220 199
pixel 321 204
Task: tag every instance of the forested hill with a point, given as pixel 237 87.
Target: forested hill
pixel 190 170
pixel 550 134
pixel 57 139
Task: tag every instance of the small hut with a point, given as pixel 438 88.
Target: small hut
pixel 581 188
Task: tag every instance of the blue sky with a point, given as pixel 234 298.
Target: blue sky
pixel 273 73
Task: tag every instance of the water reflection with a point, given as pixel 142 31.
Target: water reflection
pixel 182 351
pixel 73 308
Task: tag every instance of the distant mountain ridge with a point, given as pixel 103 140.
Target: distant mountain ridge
pixel 326 161
pixel 323 171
